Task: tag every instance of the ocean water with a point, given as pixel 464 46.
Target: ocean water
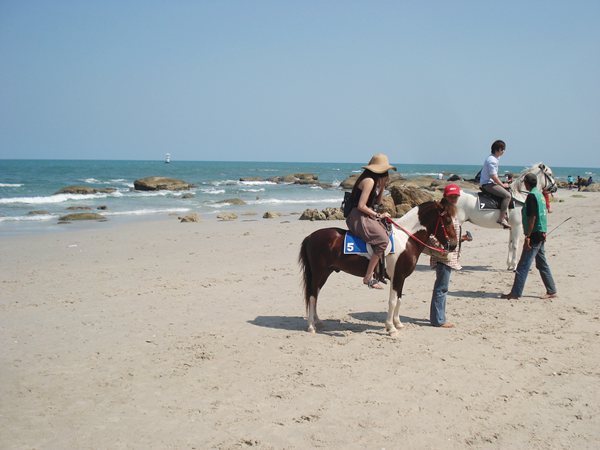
pixel 30 185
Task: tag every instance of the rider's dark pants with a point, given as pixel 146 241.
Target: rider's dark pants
pixel 501 192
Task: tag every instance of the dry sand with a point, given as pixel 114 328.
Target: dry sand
pixel 171 336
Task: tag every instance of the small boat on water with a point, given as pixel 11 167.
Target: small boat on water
pixel 167 158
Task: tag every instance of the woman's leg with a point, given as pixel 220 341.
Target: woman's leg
pixel 370 269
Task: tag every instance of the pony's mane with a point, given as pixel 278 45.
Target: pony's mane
pixel 529 169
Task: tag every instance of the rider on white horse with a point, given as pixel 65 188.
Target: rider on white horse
pixel 491 183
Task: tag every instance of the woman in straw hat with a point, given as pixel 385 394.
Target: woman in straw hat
pixel 363 220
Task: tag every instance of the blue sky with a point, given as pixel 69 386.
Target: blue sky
pixel 425 82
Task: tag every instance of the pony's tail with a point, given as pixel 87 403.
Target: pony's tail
pixel 306 272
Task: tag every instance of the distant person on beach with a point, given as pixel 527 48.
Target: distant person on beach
pixel 546 195
pixel 508 177
pixel 492 184
pixel 589 181
pixel 444 265
pixel 363 220
pixel 570 181
pixel 535 227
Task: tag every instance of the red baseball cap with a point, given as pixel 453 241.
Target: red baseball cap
pixel 451 189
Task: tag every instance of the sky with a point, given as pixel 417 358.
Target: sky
pixel 430 82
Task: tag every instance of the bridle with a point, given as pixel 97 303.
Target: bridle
pixel 549 182
pixel 548 179
pixel 442 250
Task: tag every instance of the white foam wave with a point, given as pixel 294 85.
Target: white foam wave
pixel 252 190
pixel 276 201
pixel 225 183
pixel 58 198
pixel 32 218
pixel 212 191
pixel 141 212
pixel 156 193
pixel 10 185
pixel 257 183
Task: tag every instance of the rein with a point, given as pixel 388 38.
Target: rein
pixel 435 249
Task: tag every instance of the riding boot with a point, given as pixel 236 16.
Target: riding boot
pixel 381 272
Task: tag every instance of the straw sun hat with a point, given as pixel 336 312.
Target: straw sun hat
pixel 379 164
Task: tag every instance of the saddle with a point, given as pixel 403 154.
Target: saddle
pixel 488 201
pixel 353 245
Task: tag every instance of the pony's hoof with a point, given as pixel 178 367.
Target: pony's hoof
pixel 398 325
pixel 311 329
pixel 318 324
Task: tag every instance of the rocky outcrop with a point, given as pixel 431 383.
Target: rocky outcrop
pixel 594 187
pixel 410 195
pixel 227 216
pixel 161 184
pixel 81 216
pixel 190 218
pixel 233 201
pixel 325 214
pixel 78 208
pixel 84 190
pixel 270 215
pixel 349 182
pixel 312 214
pixel 333 214
pixel 38 212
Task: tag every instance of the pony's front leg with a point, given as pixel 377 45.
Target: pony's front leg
pixel 397 323
pixel 392 321
pixel 312 314
pixel 513 247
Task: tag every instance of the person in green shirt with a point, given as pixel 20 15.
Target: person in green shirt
pixel 535 227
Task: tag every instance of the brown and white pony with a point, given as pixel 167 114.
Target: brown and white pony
pixel 322 253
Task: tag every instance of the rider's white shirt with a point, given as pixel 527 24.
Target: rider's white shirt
pixel 490 167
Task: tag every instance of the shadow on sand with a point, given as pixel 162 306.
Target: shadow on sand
pixel 475 294
pixel 370 322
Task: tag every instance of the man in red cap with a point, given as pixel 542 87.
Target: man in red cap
pixel 443 265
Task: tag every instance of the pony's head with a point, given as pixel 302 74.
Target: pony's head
pixel 548 183
pixel 436 217
pixel 545 180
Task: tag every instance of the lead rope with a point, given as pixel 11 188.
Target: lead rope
pixel 435 249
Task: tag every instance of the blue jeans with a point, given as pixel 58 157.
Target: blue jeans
pixel 437 311
pixel 535 252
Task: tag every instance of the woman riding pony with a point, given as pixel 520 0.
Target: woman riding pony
pixel 363 220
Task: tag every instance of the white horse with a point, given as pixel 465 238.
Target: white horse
pixel 468 208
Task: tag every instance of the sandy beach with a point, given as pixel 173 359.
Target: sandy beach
pixel 173 335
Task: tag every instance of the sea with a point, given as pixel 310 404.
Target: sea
pixel 28 186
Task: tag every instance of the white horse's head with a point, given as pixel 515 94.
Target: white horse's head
pixel 545 181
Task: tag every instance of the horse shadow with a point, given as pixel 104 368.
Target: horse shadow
pixel 379 317
pixel 370 323
pixel 478 269
pixel 475 294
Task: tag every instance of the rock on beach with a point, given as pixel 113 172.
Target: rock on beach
pixel 161 184
pixel 81 216
pixel 84 190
